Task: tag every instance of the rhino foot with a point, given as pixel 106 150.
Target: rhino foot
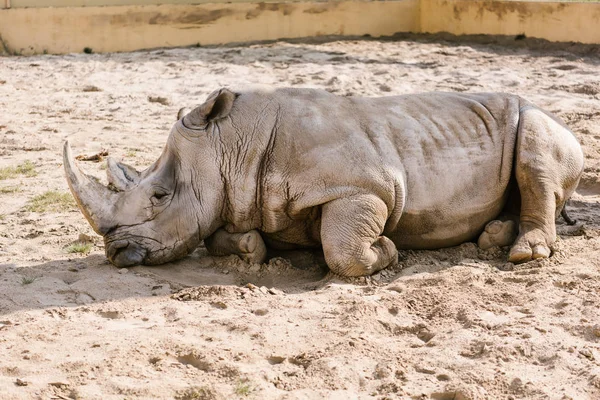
pixel 498 233
pixel 249 246
pixel 529 246
pixel 252 248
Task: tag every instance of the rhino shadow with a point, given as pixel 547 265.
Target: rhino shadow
pixel 92 279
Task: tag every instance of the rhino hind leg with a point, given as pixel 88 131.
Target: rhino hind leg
pixel 549 163
pixel 351 235
pixel 249 246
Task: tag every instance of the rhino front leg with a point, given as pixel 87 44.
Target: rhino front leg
pixel 249 246
pixel 351 231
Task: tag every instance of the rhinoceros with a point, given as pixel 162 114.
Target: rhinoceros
pixel 360 177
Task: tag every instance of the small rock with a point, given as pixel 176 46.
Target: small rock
pixel 21 382
pixel 443 377
pixel 123 270
pixel 587 353
pixel 596 330
pixel 424 370
pixel 263 290
pixel 261 311
pixel 254 268
pixel 275 292
pixel 395 288
pixel 219 304
pixel 507 267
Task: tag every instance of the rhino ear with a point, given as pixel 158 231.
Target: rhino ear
pixel 182 112
pixel 217 106
pixel 121 176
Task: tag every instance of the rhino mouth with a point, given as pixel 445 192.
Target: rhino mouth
pixel 125 253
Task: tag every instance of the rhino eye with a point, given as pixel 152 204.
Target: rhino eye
pixel 158 196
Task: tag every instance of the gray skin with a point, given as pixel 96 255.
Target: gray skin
pixel 361 177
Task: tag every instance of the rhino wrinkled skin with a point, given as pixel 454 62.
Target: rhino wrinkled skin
pixel 361 177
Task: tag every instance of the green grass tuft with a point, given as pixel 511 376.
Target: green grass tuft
pixel 79 247
pixel 243 387
pixel 52 201
pixel 26 169
pixel 26 280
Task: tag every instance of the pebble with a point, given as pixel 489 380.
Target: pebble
pixel 123 270
pixel 261 311
pixel 425 370
pixel 254 268
pixel 587 353
pixel 21 382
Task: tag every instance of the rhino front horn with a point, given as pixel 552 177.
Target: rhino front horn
pixel 94 199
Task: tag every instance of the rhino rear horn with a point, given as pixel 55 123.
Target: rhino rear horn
pixel 94 199
pixel 218 105
pixel 121 176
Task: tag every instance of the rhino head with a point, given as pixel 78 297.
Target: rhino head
pixel 162 213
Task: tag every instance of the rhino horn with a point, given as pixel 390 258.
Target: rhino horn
pixel 94 199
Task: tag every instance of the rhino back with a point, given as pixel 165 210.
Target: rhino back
pixel 452 153
pixel 457 153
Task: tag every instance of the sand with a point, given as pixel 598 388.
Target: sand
pixel 457 323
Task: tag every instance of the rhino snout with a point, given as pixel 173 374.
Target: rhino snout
pixel 123 253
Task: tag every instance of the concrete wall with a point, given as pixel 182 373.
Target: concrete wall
pixel 555 21
pixel 64 29
pixel 126 28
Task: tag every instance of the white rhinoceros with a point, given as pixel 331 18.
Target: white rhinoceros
pixel 360 177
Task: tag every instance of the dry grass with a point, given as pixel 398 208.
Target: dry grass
pixel 26 169
pixel 9 189
pixel 52 201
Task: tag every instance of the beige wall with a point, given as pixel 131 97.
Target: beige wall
pixel 133 27
pixel 555 21
pixel 97 3
pixel 125 28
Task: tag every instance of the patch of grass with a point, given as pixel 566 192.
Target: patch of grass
pixel 2 216
pixel 9 189
pixel 51 200
pixel 243 387
pixel 131 153
pixel 26 169
pixel 196 393
pixel 26 280
pixel 79 247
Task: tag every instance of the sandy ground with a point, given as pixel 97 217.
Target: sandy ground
pixel 457 323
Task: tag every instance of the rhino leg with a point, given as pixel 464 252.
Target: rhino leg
pixel 498 233
pixel 249 246
pixel 549 163
pixel 351 231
